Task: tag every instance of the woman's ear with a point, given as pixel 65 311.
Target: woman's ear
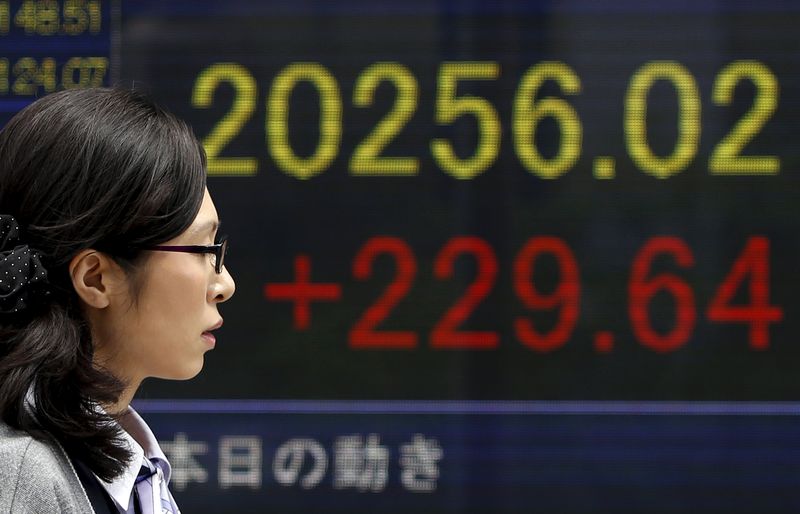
pixel 96 278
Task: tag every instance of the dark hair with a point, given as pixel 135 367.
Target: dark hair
pixel 95 168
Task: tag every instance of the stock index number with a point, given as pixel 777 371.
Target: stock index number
pixel 529 109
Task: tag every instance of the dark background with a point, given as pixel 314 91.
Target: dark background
pixel 272 216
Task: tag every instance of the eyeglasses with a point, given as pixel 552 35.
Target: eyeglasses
pixel 218 250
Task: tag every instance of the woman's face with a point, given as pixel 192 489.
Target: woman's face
pixel 164 333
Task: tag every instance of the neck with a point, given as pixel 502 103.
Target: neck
pixel 123 402
pixel 109 361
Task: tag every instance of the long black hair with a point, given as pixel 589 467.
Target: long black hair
pixel 97 168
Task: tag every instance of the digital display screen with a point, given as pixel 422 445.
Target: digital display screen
pixel 490 256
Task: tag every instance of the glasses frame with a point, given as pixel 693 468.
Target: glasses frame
pixel 219 250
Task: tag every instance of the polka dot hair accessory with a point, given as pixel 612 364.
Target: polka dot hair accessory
pixel 23 279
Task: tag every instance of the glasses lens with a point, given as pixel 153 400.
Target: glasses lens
pixel 223 249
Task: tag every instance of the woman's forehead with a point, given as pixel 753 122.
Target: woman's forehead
pixel 207 220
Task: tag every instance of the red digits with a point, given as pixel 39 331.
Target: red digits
pixel 752 266
pixel 566 296
pixel 641 290
pixel 444 334
pixel 753 261
pixel 363 333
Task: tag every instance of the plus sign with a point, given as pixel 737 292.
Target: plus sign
pixel 302 292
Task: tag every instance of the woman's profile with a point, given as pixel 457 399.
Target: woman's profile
pixel 111 271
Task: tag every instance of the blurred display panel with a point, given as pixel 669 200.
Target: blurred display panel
pixel 48 45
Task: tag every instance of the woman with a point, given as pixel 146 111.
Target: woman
pixel 109 273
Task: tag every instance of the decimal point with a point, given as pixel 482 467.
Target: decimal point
pixel 603 341
pixel 604 167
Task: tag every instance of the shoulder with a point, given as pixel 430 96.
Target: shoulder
pixel 19 450
pixel 36 475
pixel 16 446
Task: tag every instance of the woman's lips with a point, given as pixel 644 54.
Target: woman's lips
pixel 210 340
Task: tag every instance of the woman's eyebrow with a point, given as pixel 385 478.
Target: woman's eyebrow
pixel 206 227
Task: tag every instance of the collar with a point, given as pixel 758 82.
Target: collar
pixel 143 445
